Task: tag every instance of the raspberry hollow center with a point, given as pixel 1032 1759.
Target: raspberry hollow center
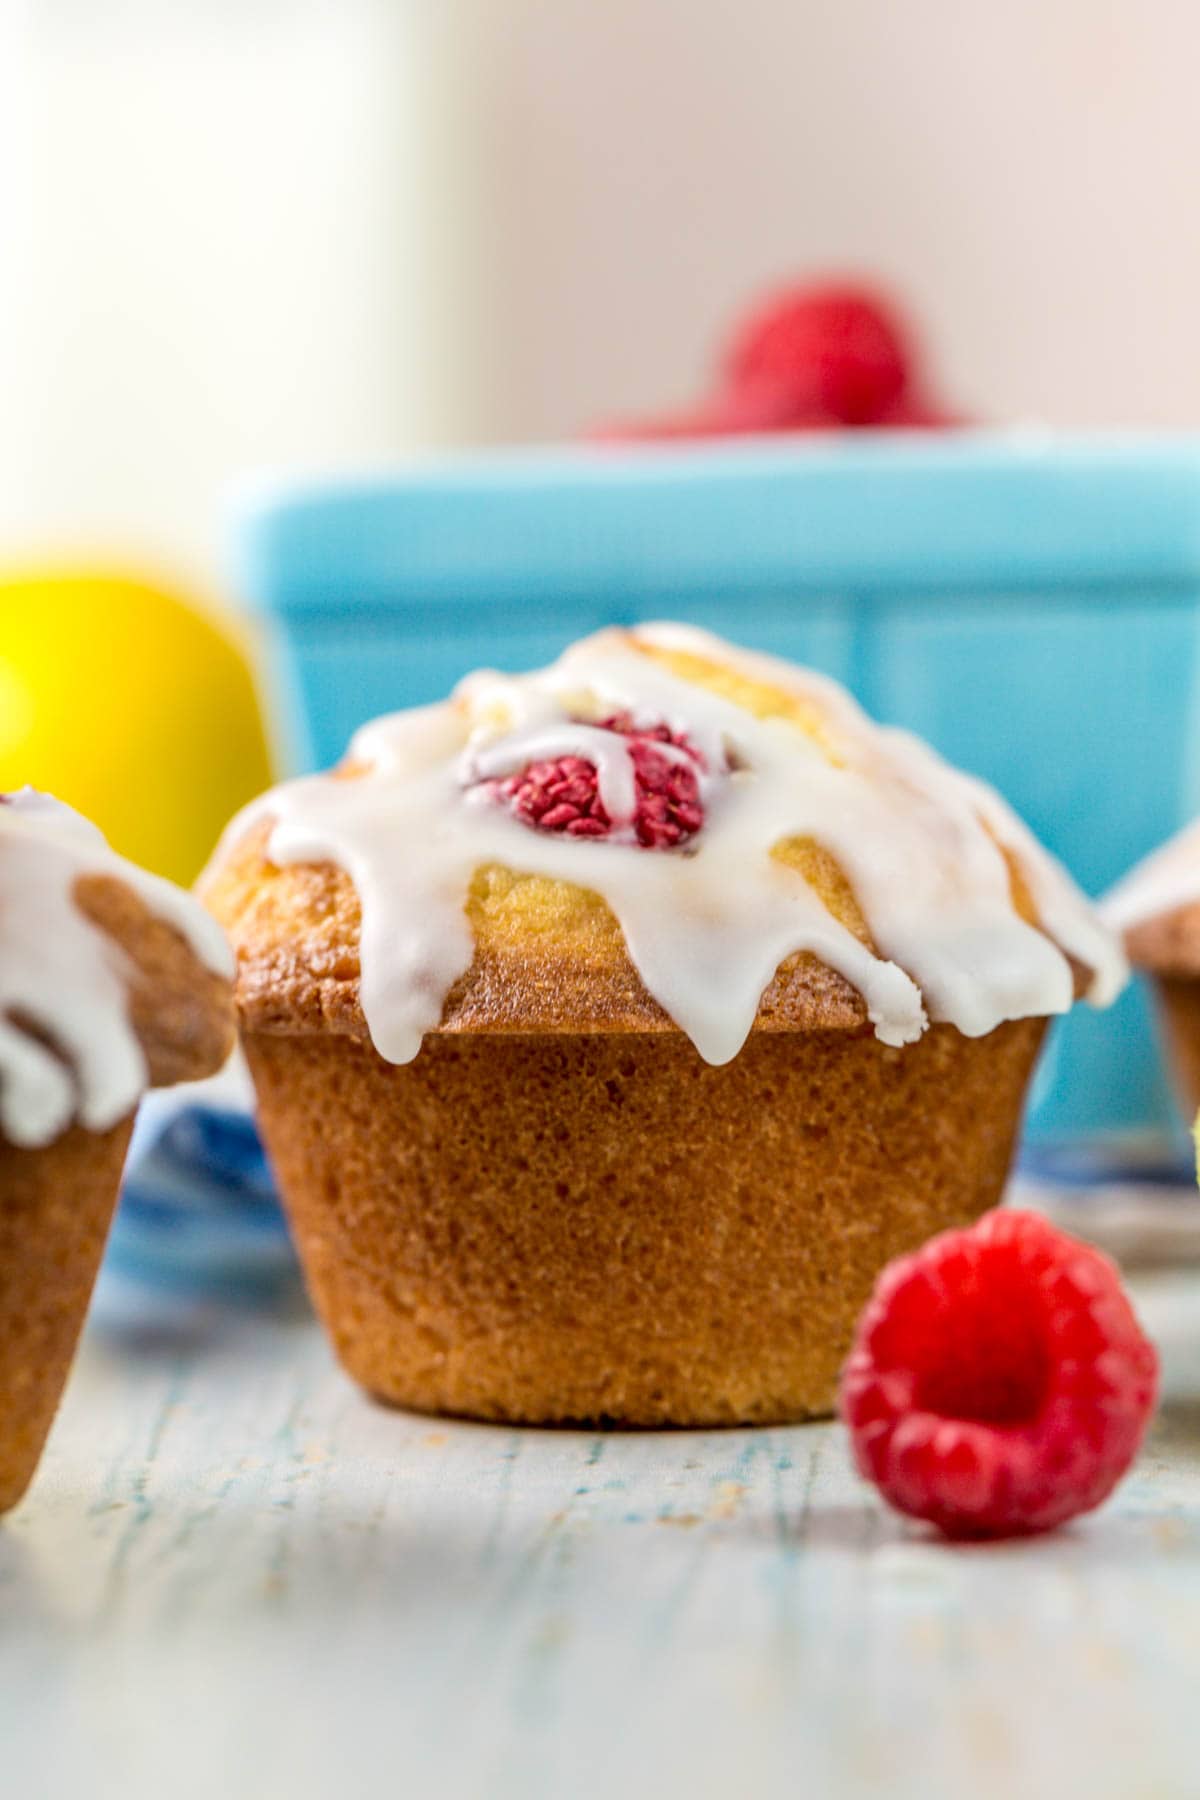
pixel 1006 1387
pixel 983 1356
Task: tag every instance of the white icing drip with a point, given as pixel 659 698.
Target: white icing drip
pixel 706 926
pixel 1078 927
pixel 67 979
pixel 1074 924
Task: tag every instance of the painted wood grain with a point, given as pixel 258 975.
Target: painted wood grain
pixel 237 1577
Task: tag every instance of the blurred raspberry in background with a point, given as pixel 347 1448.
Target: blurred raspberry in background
pixel 815 356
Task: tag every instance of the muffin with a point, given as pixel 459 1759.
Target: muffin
pixel 1156 909
pixel 110 980
pixel 613 1025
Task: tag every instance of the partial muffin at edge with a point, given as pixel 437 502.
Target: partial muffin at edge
pixel 57 1198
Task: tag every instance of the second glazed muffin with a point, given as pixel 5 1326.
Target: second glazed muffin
pixel 612 1027
pixel 1157 910
pixel 111 981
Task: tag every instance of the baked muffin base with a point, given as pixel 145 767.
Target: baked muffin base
pixel 56 1206
pixel 1178 998
pixel 603 1229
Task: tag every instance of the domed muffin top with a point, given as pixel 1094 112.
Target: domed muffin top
pixel 110 978
pixel 1156 907
pixel 658 829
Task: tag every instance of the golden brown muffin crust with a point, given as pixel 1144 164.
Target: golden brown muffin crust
pixel 604 1228
pixel 1178 998
pixel 56 1206
pixel 181 1011
pixel 1169 944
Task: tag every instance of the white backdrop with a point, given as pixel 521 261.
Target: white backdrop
pixel 1025 171
pixel 247 232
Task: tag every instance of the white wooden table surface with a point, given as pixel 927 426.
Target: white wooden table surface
pixel 235 1577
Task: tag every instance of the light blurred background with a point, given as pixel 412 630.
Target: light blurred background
pixel 248 233
pixel 296 236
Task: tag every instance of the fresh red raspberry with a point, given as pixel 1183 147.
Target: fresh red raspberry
pixel 817 357
pixel 562 794
pixel 1000 1382
pixel 827 352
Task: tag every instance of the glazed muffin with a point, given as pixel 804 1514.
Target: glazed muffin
pixel 110 980
pixel 1156 908
pixel 613 1025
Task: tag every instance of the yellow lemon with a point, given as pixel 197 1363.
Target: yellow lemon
pixel 131 704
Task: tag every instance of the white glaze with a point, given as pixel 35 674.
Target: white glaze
pixel 67 978
pixel 1163 882
pixel 708 924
